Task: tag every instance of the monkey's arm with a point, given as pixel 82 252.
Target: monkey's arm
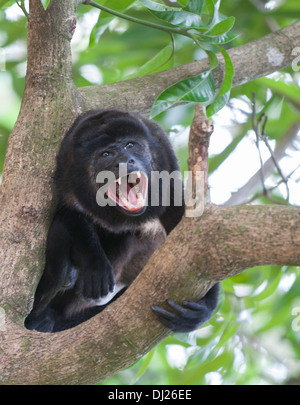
pixel 95 277
pixel 74 259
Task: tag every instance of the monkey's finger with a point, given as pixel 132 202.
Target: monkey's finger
pixel 165 317
pixel 179 308
pixel 195 306
pixel 107 284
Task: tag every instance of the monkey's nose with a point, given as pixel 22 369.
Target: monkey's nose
pixel 130 162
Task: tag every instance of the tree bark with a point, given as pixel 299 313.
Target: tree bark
pixel 223 242
pixel 50 104
pixel 220 244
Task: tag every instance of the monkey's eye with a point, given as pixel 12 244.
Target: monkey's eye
pixel 105 154
pixel 129 145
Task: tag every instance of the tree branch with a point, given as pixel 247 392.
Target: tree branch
pixel 254 184
pixel 170 29
pixel 199 137
pixel 23 8
pixel 259 127
pixel 220 244
pixel 270 53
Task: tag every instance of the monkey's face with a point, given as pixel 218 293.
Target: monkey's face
pixel 123 168
pixel 105 168
pixel 114 162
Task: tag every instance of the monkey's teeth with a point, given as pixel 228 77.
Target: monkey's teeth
pixel 140 198
pixel 128 204
pixel 134 177
pixel 123 199
pixel 129 191
pixel 137 189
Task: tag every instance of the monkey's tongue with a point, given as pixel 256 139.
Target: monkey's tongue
pixel 130 191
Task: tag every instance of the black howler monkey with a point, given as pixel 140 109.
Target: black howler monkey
pixel 105 227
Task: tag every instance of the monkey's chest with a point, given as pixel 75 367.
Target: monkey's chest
pixel 132 251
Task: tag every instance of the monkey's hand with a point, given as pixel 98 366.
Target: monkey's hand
pixel 190 315
pixel 94 282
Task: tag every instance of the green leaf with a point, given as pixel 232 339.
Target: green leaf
pixel 116 5
pixel 229 72
pixel 195 6
pixel 222 27
pixel 152 5
pixel 195 89
pixel 173 15
pixel 220 39
pixel 216 161
pixel 192 375
pixel 199 88
pixel 45 3
pixel 6 3
pixel 213 60
pixel 271 285
pixel 146 361
pixel 162 60
pixel 105 18
pixel 183 3
pixel 223 95
pixel 288 90
pixel 218 104
pixel 229 331
pixel 213 11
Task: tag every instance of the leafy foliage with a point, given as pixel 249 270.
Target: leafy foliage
pixel 201 22
pixel 6 3
pixel 250 340
pixel 254 336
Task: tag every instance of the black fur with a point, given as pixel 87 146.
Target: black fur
pixel 90 248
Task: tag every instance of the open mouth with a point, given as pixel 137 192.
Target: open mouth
pixel 130 191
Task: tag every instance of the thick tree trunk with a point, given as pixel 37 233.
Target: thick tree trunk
pixel 50 104
pixel 223 242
